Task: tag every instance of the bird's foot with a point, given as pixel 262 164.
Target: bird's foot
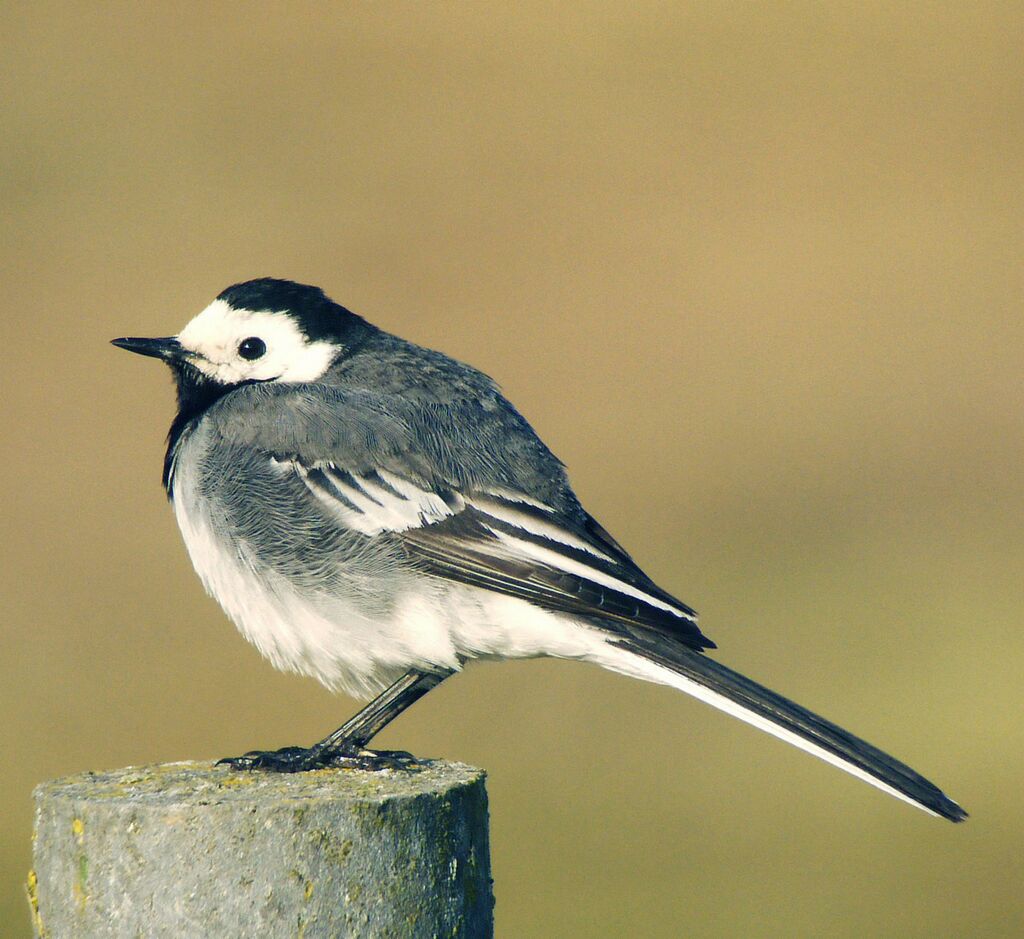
pixel 302 759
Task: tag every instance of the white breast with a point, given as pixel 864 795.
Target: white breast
pixel 317 635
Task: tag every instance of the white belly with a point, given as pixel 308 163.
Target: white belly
pixel 432 623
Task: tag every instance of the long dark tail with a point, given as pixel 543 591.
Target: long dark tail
pixel 704 678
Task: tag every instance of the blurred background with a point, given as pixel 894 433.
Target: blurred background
pixel 752 271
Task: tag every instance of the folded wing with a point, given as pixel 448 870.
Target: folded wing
pixel 505 541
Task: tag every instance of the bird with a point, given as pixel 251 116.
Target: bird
pixel 377 515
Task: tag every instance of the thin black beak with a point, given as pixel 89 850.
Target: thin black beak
pixel 167 349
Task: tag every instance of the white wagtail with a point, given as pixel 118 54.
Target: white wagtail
pixel 376 514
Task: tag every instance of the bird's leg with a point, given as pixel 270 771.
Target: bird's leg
pixel 347 745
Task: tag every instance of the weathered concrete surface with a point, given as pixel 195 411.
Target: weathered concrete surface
pixel 188 849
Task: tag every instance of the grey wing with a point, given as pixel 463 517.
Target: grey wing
pixel 467 443
pixel 464 491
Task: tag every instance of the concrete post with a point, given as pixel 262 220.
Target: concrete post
pixel 188 849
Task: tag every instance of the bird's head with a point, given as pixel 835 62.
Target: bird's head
pixel 259 331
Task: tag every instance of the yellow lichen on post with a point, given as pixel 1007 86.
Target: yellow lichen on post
pixel 32 892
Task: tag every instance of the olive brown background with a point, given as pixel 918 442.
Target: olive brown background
pixel 752 270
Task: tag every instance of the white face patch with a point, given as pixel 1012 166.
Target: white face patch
pixel 214 336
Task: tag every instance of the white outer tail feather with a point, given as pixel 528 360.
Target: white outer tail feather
pixel 628 663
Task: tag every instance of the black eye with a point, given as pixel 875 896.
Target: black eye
pixel 252 348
